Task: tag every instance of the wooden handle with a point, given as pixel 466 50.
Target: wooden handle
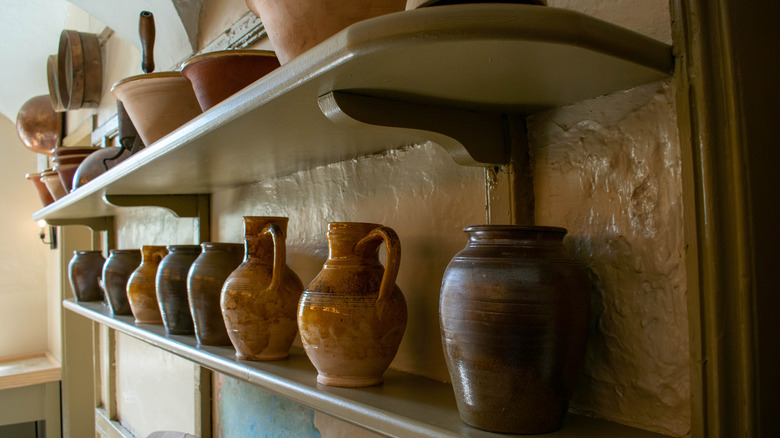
pixel 146 32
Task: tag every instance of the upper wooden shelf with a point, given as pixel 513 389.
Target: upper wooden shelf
pixel 398 79
pixel 28 370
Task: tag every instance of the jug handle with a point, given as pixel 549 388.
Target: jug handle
pixel 392 263
pixel 280 254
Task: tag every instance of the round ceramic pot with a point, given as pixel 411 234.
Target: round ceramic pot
pixel 215 76
pixel 204 286
pixel 171 285
pixel 116 272
pixel 260 297
pixel 157 103
pixel 51 179
pixel 352 316
pixel 84 271
pixel 514 318
pixel 96 164
pixel 295 26
pixel 141 288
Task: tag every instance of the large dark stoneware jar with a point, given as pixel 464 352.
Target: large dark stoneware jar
pixel 204 287
pixel 84 271
pixel 171 286
pixel 116 272
pixel 514 314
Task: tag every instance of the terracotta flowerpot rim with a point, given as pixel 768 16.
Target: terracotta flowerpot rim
pixel 226 54
pixel 154 75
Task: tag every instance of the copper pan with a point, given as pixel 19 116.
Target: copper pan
pixel 79 70
pixel 54 88
pixel 38 125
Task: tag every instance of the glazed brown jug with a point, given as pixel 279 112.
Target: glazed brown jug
pixel 84 271
pixel 204 285
pixel 514 321
pixel 171 288
pixel 352 316
pixel 117 269
pixel 259 298
pixel 141 289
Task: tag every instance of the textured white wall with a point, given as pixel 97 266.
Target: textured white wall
pixel 23 278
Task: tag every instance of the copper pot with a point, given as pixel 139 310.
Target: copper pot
pixel 38 125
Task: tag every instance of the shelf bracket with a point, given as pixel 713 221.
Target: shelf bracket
pixel 472 138
pixel 198 206
pixel 96 224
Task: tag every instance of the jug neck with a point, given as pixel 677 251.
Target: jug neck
pixel 343 236
pixel 153 253
pixel 257 246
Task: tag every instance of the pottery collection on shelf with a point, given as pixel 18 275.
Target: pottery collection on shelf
pixel 142 288
pixel 171 288
pixel 119 265
pixel 84 270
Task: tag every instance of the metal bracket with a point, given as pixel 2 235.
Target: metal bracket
pixel 472 138
pixel 198 206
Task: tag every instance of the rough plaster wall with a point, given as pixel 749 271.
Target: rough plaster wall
pixel 609 171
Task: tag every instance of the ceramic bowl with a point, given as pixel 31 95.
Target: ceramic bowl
pixel 40 188
pixel 63 151
pixel 52 181
pixel 215 76
pixel 295 26
pixel 414 4
pixel 157 103
pixel 65 172
pixel 69 159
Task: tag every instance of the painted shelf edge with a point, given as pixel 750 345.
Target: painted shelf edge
pixel 405 405
pixel 537 47
pixel 28 370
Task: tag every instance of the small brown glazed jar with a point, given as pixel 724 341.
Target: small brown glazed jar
pixel 84 272
pixel 204 286
pixel 259 299
pixel 514 316
pixel 352 316
pixel 116 272
pixel 171 287
pixel 141 289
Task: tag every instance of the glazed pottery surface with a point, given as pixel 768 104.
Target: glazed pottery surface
pixel 259 299
pixel 141 287
pixel 215 76
pixel 204 286
pixel 52 180
pixel 171 285
pixel 116 272
pixel 84 271
pixel 295 26
pixel 514 315
pixel 65 172
pixel 96 164
pixel 352 316
pixel 157 103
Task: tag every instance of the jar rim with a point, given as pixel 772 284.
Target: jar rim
pixel 533 228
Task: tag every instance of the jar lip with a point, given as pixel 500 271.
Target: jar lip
pixel 125 251
pixel 173 248
pixel 531 228
pixel 88 251
pixel 222 244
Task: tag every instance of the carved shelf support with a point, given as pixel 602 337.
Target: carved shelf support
pixel 96 224
pixel 198 206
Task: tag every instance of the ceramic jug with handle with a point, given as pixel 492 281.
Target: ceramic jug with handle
pixel 352 316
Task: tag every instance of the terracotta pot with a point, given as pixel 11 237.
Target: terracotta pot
pixel 514 318
pixel 414 4
pixel 215 76
pixel 171 285
pixel 352 316
pixel 53 182
pixel 141 288
pixel 84 270
pixel 38 125
pixel 117 269
pixel 204 286
pixel 157 103
pixel 66 172
pixel 40 188
pixel 295 26
pixel 259 299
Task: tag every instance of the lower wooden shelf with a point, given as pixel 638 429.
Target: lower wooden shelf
pixel 404 406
